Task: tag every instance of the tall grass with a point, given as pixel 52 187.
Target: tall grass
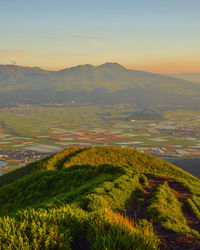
pixel 165 209
pixel 53 203
pixel 109 230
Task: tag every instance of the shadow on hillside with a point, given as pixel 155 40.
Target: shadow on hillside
pixel 54 187
pixel 41 165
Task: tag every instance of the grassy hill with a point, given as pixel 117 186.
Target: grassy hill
pixel 99 198
pixel 109 83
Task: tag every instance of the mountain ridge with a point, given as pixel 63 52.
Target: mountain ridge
pixel 109 84
pixel 106 65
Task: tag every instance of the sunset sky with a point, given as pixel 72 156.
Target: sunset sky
pixel 153 35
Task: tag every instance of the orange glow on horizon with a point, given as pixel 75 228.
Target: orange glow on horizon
pixel 168 67
pixel 160 68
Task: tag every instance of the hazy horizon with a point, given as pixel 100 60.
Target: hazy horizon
pixel 154 36
pixel 67 67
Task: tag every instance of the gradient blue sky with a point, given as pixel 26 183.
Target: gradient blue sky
pixel 155 35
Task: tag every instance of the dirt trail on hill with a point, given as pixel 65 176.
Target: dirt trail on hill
pixel 169 238
pixel 182 195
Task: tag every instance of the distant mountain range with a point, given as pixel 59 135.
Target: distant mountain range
pixel 194 77
pixel 109 83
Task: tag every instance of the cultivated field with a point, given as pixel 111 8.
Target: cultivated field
pixel 34 131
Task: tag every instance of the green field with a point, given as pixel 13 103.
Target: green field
pixel 50 129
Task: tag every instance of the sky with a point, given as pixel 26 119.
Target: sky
pixel 160 36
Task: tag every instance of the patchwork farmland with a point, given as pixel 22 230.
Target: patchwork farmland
pixel 28 133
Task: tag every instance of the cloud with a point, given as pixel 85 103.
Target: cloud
pixel 86 37
pixel 83 37
pixel 50 54
pixel 14 53
pixel 95 43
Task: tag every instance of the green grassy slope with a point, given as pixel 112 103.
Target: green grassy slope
pixel 98 198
